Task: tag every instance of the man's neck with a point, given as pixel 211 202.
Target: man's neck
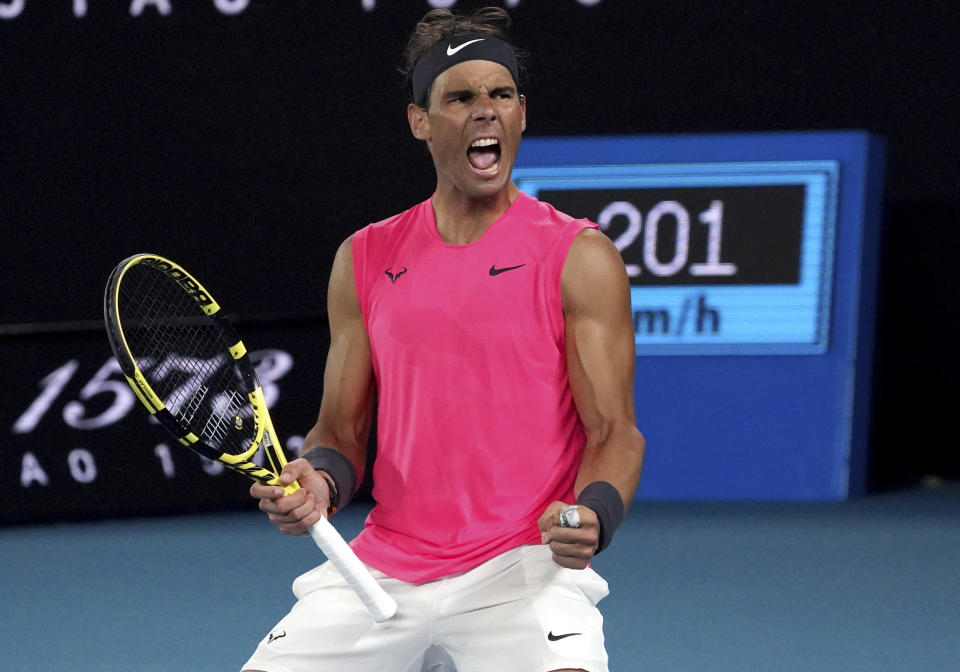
pixel 462 220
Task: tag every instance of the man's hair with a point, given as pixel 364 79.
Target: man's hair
pixel 442 24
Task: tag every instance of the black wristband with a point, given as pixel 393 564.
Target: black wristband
pixel 605 501
pixel 341 472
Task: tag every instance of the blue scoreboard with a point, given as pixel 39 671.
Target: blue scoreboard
pixel 752 260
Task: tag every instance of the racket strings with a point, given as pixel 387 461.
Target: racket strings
pixel 186 360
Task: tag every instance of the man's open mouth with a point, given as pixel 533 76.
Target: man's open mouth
pixel 484 155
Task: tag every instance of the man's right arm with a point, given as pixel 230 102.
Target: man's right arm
pixel 343 423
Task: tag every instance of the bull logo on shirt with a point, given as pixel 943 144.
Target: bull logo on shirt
pixel 395 276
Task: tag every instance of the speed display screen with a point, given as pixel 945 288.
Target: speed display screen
pixel 723 258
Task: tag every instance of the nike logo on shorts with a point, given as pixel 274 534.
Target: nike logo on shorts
pixel 553 638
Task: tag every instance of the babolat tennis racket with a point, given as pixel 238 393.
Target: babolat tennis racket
pixel 188 366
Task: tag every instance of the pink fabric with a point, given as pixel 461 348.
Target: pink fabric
pixel 477 428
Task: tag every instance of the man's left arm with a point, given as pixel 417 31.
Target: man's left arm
pixel 600 365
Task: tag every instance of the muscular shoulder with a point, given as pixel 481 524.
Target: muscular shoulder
pixel 592 258
pixel 344 256
pixel 593 271
pixel 341 275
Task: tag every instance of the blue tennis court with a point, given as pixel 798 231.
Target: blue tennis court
pixel 721 587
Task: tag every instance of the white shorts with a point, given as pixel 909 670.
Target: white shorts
pixel 519 612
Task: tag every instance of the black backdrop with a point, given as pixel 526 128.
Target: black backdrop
pixel 268 135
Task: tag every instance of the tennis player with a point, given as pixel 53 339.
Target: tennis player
pixel 495 333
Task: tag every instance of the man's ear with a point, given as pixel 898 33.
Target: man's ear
pixel 523 112
pixel 419 122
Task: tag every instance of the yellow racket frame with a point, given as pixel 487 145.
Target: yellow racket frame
pixel 265 435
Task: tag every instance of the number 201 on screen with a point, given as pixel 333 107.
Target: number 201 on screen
pixel 647 233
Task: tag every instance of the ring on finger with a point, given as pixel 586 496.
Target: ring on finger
pixel 569 517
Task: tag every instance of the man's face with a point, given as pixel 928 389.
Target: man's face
pixel 472 127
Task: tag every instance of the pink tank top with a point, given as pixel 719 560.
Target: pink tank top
pixel 477 428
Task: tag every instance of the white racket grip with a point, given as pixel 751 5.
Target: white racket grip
pixel 381 605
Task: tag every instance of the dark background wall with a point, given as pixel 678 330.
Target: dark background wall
pixel 269 135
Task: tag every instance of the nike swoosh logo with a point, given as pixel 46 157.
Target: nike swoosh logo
pixel 497 271
pixel 452 50
pixel 552 637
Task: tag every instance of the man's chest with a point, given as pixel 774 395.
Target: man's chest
pixel 449 297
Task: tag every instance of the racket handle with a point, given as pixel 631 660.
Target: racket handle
pixel 381 605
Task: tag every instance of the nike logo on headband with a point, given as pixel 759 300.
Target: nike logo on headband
pixel 452 50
